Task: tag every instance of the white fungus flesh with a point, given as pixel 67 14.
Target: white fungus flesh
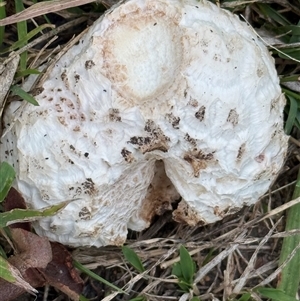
pixel 161 100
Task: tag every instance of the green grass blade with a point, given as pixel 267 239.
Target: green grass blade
pixel 187 265
pixel 290 78
pixel 245 297
pixel 294 29
pixel 25 215
pixel 292 114
pixel 288 92
pixel 2 253
pixel 2 16
pixel 289 53
pixel 133 259
pixel 22 32
pixel 7 176
pixel 83 269
pixel 140 298
pixel 24 95
pixel 13 275
pixel 6 270
pixel 290 276
pixel 26 72
pixel 297 121
pixel 24 39
pixel 269 12
pixel 274 294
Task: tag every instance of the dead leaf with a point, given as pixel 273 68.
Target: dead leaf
pixel 61 274
pixel 13 276
pixel 32 252
pixel 40 262
pixel 10 291
pixel 37 260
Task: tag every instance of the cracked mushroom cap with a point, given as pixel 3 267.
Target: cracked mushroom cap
pixel 160 98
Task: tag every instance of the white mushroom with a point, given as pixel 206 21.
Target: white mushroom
pixel 155 84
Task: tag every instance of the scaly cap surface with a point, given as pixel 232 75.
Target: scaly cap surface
pixel 182 83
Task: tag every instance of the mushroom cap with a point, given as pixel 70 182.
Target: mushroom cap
pixel 182 83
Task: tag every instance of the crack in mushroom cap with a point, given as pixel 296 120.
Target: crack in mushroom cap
pixel 183 83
